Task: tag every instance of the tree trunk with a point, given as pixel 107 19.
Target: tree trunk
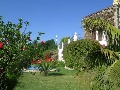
pixel 46 72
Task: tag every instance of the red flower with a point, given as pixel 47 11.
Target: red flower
pixel 42 42
pixel 1 45
pixel 49 59
pixel 47 56
pixel 36 61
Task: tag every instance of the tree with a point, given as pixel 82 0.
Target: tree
pixel 50 44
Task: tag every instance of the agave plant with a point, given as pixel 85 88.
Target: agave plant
pixel 46 65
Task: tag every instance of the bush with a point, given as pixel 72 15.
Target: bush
pixel 75 53
pixel 60 64
pixel 114 73
pixel 107 77
pixel 16 52
pixel 48 61
pixel 46 65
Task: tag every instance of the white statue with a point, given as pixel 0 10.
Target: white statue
pixel 68 41
pixel 75 37
pixel 60 50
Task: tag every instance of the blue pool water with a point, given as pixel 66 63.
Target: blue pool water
pixel 32 67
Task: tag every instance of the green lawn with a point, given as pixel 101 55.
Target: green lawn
pixel 64 80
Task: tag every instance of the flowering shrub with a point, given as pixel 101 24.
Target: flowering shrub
pixel 1 45
pixel 36 61
pixel 49 59
pixel 13 46
pixel 47 63
pixel 16 51
pixel 42 42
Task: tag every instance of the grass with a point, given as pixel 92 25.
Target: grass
pixel 63 80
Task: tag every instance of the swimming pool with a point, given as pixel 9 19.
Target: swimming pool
pixel 33 67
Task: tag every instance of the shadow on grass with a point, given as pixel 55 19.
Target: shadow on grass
pixel 55 74
pixel 11 83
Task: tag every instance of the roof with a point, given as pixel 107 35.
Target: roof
pixel 103 10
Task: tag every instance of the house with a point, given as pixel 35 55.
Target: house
pixel 110 14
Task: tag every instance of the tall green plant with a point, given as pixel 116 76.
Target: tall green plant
pixel 111 52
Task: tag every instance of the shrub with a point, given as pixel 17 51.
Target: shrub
pixel 107 77
pixel 114 73
pixel 48 61
pixel 61 64
pixel 16 52
pixel 75 53
pixel 13 46
pixel 46 65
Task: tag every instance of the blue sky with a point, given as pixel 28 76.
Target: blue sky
pixel 54 17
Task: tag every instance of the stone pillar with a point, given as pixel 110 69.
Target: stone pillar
pixel 56 39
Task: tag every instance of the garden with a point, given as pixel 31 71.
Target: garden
pixel 95 67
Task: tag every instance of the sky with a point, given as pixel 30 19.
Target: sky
pixel 53 17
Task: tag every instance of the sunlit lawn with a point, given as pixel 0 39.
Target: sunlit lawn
pixel 64 80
